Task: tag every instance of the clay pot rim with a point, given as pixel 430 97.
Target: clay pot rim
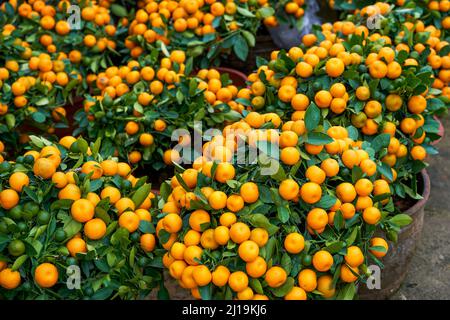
pixel 232 71
pixel 425 194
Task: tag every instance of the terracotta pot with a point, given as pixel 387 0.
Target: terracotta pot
pixel 441 131
pixel 237 77
pixel 399 256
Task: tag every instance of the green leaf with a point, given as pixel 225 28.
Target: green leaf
pixel 240 48
pixel 284 289
pixel 146 227
pixel 318 138
pixel 245 12
pixel 380 141
pixel 19 261
pixel 348 292
pixel 259 220
pixel 385 170
pixel 141 194
pixel 312 117
pixel 255 284
pixel 266 12
pixel 326 202
pixel 118 10
pixel 38 116
pixel 249 37
pixel 401 220
pixel 335 247
pixel 205 292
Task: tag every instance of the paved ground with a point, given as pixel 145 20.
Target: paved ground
pixel 429 274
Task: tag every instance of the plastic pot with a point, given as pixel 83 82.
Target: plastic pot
pixel 399 256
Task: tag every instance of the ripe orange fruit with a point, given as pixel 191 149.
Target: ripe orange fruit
pixel 235 203
pixel 260 236
pixel 296 293
pixel 315 174
pixel 311 192
pixel 148 242
pixel 172 223
pixel 198 218
pixel 371 215
pixel 221 235
pixel 94 168
pixel 248 251
pixel 124 204
pixel 238 281
pixel 346 192
pixel 294 243
pixel 334 67
pixel 347 210
pixel 317 218
pixel 249 192
pixel 46 275
pixel 176 268
pixel 18 180
pixel 8 199
pixel 325 286
pixel 418 153
pixel 290 156
pixel 220 276
pixel 76 245
pixel 354 256
pixel 275 277
pixel 95 229
pixel 379 242
pixel 44 168
pixel 330 167
pixel 364 187
pixel 129 220
pixel 193 255
pixel 202 276
pixel 227 219
pixel 217 200
pixel 239 232
pixel 110 167
pixel 347 274
pixel 322 260
pixel 112 193
pixel 307 280
pixel 9 279
pixel 417 104
pixel 288 189
pixel 256 268
pixel 82 210
pixel 323 99
pixel 192 238
pixel 70 191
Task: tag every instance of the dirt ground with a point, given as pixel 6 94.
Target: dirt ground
pixel 429 273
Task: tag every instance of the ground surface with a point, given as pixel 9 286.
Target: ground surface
pixel 429 273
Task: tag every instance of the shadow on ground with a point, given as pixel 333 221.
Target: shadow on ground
pixel 429 273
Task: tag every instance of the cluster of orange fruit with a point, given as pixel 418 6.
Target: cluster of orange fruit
pixel 229 247
pixel 201 20
pixel 89 214
pixel 372 102
pixel 129 94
